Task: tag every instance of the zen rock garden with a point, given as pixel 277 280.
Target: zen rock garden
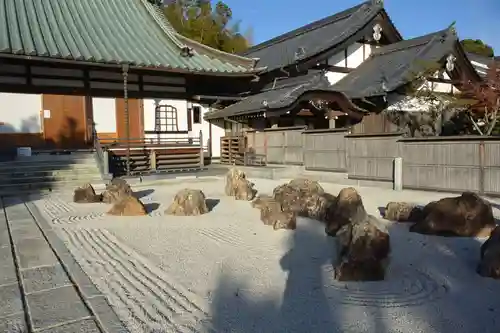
pixel 363 240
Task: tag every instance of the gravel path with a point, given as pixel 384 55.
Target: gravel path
pixel 226 272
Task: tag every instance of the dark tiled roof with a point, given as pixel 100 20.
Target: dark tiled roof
pixel 392 66
pixel 479 59
pixel 104 31
pixel 315 37
pixel 284 94
pixel 387 69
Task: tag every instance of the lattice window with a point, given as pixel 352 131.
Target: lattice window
pixel 166 119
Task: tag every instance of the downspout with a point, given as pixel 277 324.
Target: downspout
pixel 125 69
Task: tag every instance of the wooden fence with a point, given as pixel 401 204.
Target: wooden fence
pixel 451 164
pixel 280 146
pixel 371 156
pixel 325 150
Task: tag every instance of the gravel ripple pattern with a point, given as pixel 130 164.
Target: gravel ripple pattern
pixel 227 272
pixel 140 293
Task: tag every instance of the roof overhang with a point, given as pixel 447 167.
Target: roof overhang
pixel 38 75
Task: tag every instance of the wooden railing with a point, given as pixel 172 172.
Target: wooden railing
pixel 152 155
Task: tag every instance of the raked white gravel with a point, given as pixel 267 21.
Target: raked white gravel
pixel 227 272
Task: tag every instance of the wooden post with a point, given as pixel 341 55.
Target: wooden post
pixel 304 140
pixel 283 159
pixel 105 162
pixel 152 160
pixel 481 167
pixel 202 154
pixel 265 144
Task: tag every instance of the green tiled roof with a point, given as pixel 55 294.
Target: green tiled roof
pixel 106 31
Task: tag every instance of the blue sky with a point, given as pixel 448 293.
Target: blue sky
pixel 477 19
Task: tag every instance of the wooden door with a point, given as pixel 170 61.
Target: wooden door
pixel 136 116
pixel 65 121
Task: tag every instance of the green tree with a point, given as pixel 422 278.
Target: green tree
pixel 207 24
pixel 477 46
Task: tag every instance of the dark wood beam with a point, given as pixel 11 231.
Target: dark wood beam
pixel 338 69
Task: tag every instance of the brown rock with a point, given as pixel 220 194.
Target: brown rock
pixel 271 213
pixel 261 201
pixel 304 197
pixel 348 208
pixel 188 202
pixel 128 206
pixel 403 212
pixel 86 194
pixel 238 186
pixel 467 215
pixel 116 190
pixel 284 220
pixel 363 250
pixel 489 265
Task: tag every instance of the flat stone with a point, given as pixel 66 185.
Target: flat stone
pixel 84 326
pixel 45 277
pixel 22 223
pixel 7 268
pixel 26 231
pixel 57 244
pixel 14 324
pixel 10 300
pixel 107 315
pixel 20 217
pixel 4 237
pixel 86 285
pixel 34 252
pixel 56 306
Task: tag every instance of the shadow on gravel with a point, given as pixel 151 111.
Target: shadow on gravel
pixel 212 203
pixel 432 286
pixel 151 207
pixel 143 193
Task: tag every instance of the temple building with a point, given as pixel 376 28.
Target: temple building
pixel 344 70
pixel 70 69
pixel 340 71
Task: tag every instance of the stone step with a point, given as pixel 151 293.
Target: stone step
pixel 45 187
pixel 45 179
pixel 46 167
pixel 29 173
pixel 51 160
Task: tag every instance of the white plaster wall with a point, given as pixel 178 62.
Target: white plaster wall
pixel 217 133
pixel 104 111
pixel 334 77
pixel 442 87
pixel 481 68
pixel 416 104
pixel 356 54
pixel 337 59
pixel 182 116
pixel 20 113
